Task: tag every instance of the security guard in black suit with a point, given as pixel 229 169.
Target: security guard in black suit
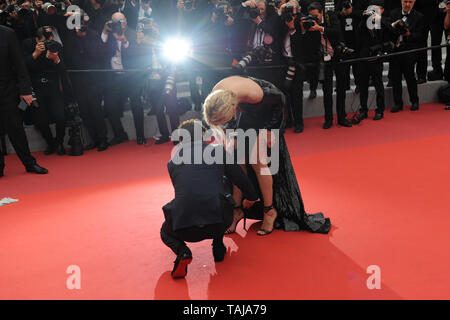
pixel 406 38
pixel 14 81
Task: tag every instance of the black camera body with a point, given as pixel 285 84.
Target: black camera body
pixel 342 52
pixel 222 17
pixel 51 45
pixel 253 13
pixel 346 4
pixel 262 54
pixel 116 27
pixel 288 14
pixel 308 21
pixel 382 48
pixel 402 27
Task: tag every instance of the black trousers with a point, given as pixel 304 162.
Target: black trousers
pixel 118 87
pixel 404 66
pixel 372 70
pixel 12 122
pixel 437 30
pixel 50 110
pixel 329 70
pixel 89 99
pixel 163 103
pixel 306 73
pixel 176 240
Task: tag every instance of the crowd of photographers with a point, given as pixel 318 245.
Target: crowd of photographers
pixel 123 35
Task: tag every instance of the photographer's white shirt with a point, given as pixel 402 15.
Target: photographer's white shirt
pixel 116 60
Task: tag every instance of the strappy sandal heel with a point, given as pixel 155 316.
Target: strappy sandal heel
pixel 229 231
pixel 264 232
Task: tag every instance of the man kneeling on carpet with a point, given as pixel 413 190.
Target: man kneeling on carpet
pixel 203 204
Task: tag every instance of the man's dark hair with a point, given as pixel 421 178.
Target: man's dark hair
pixel 43 33
pixel 190 126
pixel 315 6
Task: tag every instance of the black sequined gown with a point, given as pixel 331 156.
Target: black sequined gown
pixel 287 200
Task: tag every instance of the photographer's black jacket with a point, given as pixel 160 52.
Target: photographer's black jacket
pixel 200 189
pixel 367 39
pixel 41 67
pixel 416 27
pixel 13 72
pixel 83 52
pixel 307 47
pixel 355 18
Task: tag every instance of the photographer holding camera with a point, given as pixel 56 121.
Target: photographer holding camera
pixel 43 58
pixel 437 30
pixel 18 16
pixel 320 33
pixel 373 37
pixel 408 29
pixel 135 11
pixel 350 13
pixel 83 52
pixel 115 36
pixel 14 82
pixel 261 37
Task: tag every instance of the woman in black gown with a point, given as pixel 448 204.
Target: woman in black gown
pixel 250 103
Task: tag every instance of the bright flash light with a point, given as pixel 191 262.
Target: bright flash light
pixel 177 49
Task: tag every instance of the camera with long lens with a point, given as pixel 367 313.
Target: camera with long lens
pixel 382 48
pixel 9 9
pixel 116 27
pixel 346 4
pixel 290 73
pixel 74 122
pixel 261 54
pixel 308 21
pixel 288 13
pixel 253 13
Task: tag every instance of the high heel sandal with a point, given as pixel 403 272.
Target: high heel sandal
pixel 264 232
pixel 229 231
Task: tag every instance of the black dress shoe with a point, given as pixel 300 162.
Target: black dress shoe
pixel 299 128
pixel 421 81
pixel 344 123
pixel 51 148
pixel 1 172
pixel 378 116
pixel 328 124
pixel 141 140
pixel 414 107
pixel 312 94
pixel 361 116
pixel 35 168
pixel 181 264
pixel 357 89
pixel 60 150
pixel 117 140
pixel 162 140
pixel 219 251
pixel 389 84
pixel 396 109
pixel 90 146
pixel 102 146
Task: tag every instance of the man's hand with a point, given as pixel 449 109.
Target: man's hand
pixel 290 24
pixel 250 3
pixel 229 21
pixel 407 34
pixel 316 27
pixel 27 98
pixel 40 47
pixel 248 204
pixel 257 20
pixel 52 56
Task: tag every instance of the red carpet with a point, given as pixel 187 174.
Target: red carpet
pixel 384 185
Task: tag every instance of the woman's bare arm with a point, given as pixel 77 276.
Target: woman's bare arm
pixel 246 89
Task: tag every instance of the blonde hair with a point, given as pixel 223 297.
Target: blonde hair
pixel 219 107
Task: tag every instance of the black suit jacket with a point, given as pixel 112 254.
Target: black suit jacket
pixel 200 189
pixel 14 77
pixel 416 27
pixel 352 21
